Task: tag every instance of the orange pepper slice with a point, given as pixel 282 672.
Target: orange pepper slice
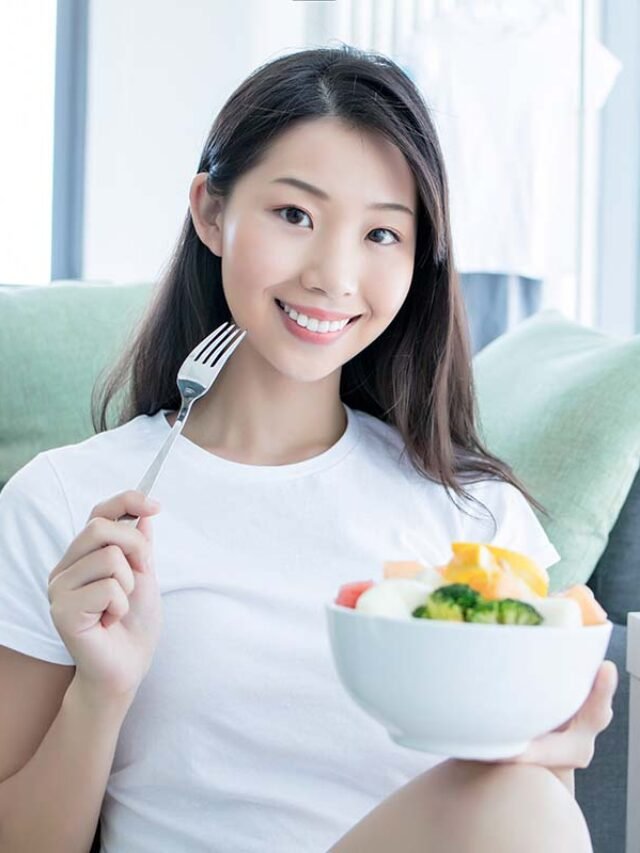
pixel 494 571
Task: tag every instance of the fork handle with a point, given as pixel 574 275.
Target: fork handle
pixel 153 471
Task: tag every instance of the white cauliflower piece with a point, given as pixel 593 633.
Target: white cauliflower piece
pixel 559 612
pixel 396 598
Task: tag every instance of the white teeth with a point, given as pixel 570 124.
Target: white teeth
pixel 312 323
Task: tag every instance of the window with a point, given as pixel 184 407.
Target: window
pixel 27 83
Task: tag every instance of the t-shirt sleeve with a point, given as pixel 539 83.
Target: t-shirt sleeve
pixel 516 524
pixel 35 531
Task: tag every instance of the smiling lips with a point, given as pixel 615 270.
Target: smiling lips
pixel 324 326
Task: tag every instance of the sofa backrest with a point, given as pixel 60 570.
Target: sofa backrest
pixel 56 340
pixel 560 403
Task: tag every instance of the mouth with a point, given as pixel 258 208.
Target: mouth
pixel 312 330
pixel 314 326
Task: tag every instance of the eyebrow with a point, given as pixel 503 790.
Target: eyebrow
pixel 303 185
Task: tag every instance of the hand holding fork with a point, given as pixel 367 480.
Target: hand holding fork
pixel 104 596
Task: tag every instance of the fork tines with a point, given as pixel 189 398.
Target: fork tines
pixel 216 342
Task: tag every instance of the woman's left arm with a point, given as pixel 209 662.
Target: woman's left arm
pixel 571 745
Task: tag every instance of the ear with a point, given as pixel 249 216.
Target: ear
pixel 206 213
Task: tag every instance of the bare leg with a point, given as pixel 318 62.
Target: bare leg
pixel 472 807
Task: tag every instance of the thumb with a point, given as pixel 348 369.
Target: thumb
pixel 145 526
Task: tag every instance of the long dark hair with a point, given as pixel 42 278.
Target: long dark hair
pixel 417 374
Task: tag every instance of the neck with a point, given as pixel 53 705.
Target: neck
pixel 256 415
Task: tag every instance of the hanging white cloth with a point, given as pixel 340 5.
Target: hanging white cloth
pixel 504 93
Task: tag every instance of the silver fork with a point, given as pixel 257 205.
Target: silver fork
pixel 197 374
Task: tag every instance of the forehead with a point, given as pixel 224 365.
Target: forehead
pixel 340 160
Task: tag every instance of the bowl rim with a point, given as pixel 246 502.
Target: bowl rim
pixel 444 624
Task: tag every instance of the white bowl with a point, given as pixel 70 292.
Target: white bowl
pixel 464 690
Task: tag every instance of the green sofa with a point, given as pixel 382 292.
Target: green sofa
pixel 540 391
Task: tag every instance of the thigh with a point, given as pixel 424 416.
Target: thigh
pixel 474 807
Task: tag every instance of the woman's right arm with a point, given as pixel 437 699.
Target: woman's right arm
pixel 53 802
pixel 59 726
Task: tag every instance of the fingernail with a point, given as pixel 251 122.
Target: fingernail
pixel 153 504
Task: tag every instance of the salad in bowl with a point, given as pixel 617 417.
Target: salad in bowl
pixel 472 659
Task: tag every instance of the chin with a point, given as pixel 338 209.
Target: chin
pixel 313 365
pixel 305 375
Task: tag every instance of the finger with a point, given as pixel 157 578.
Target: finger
pixel 596 713
pixel 100 531
pixel 107 562
pixel 130 502
pixel 105 596
pixel 100 534
pixel 572 743
pixel 566 749
pixel 145 526
pixel 78 610
pixel 609 671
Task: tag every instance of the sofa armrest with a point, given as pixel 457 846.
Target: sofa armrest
pixel 633 771
pixel 601 787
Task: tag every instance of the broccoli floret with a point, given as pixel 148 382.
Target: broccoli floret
pixel 450 602
pixel 458 602
pixel 513 612
pixel 484 611
pixel 460 594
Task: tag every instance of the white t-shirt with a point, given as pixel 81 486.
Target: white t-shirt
pixel 505 100
pixel 241 737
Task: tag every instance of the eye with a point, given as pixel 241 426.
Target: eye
pixel 280 210
pixel 396 239
pixel 292 215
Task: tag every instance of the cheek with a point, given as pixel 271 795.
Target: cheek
pixel 388 293
pixel 253 260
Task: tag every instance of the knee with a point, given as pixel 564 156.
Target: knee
pixel 506 807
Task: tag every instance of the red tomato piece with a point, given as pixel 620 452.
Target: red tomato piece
pixel 349 593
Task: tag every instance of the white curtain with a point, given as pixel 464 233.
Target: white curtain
pixel 385 24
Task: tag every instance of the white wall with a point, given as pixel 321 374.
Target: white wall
pixel 159 72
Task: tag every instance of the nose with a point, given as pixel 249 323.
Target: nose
pixel 331 276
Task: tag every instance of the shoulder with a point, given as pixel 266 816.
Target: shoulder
pixel 66 482
pixel 128 437
pixel 495 511
pixel 113 447
pixel 508 520
pixel 378 436
pixel 32 490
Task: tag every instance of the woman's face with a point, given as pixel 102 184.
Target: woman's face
pixel 344 245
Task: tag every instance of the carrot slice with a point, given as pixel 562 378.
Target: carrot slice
pixel 402 569
pixel 592 612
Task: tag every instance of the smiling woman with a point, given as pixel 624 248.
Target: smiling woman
pixel 340 434
pixel 343 139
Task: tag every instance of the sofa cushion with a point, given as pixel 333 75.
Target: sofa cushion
pixel 55 341
pixel 616 580
pixel 560 403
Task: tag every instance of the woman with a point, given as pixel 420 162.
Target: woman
pixel 191 700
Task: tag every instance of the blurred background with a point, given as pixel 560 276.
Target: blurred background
pixel 106 105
